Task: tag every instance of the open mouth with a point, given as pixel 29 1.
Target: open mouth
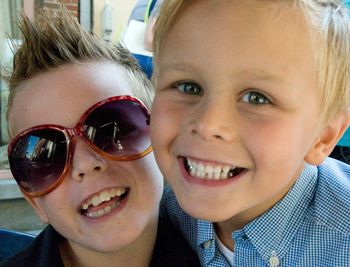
pixel 208 171
pixel 104 202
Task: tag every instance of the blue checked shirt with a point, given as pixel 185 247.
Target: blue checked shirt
pixel 309 227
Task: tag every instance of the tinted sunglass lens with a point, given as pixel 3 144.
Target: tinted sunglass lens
pixel 119 128
pixel 38 158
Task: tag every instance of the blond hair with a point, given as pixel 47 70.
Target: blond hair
pixel 55 40
pixel 329 26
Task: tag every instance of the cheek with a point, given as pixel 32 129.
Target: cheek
pixel 58 202
pixel 277 145
pixel 44 209
pixel 279 134
pixel 149 177
pixel 159 126
pixel 54 206
pixel 166 121
pixel 278 157
pixel 153 183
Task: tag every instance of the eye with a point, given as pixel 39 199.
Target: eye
pixel 255 98
pixel 189 88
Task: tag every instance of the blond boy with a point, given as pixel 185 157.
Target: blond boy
pixel 251 97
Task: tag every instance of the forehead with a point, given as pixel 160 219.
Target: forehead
pixel 62 95
pixel 228 38
pixel 275 26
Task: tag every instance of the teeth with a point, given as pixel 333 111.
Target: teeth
pixel 113 191
pixel 224 172
pixel 120 192
pixel 84 206
pixel 103 196
pixel 200 167
pixel 192 171
pixel 96 200
pixel 107 209
pixel 217 172
pixel 209 171
pixel 101 212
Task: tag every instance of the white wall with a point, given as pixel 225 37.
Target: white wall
pixel 121 12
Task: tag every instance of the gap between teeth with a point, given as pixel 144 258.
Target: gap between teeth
pixel 208 171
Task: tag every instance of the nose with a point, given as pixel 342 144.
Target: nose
pixel 214 119
pixel 86 162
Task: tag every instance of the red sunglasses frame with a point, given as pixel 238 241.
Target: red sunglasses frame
pixel 70 133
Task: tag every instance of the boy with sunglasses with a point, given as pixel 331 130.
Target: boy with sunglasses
pixel 251 97
pixel 81 153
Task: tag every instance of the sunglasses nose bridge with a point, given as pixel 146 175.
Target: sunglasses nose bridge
pixel 76 131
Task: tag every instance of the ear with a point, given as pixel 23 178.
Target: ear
pixel 35 203
pixel 329 137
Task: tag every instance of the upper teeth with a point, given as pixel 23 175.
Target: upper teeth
pixel 105 195
pixel 209 171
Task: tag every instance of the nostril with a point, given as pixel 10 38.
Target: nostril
pixel 81 175
pixel 217 136
pixel 193 132
pixel 97 168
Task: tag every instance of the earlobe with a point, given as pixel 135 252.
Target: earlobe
pixel 38 209
pixel 328 139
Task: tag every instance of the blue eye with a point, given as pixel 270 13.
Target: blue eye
pixel 189 88
pixel 255 98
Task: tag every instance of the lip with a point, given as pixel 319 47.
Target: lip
pixel 203 182
pixel 119 208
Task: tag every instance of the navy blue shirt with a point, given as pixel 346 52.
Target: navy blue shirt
pixel 171 250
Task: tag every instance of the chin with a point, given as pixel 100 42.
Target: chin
pixel 111 245
pixel 206 212
pixel 211 217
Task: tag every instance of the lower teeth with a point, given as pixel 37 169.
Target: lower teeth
pixel 102 211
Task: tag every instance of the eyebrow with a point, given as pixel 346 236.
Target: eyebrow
pixel 182 67
pixel 262 75
pixel 252 74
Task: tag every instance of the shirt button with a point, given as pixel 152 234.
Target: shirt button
pixel 207 244
pixel 274 261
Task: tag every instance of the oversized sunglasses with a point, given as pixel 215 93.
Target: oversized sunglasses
pixel 116 128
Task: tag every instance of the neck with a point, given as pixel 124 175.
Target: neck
pixel 138 253
pixel 225 228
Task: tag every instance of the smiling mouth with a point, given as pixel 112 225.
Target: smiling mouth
pixel 104 202
pixel 210 171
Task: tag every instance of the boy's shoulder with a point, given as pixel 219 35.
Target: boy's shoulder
pixel 179 218
pixel 43 251
pixel 171 248
pixel 331 206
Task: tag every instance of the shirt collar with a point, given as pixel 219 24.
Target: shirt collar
pixel 205 231
pixel 273 231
